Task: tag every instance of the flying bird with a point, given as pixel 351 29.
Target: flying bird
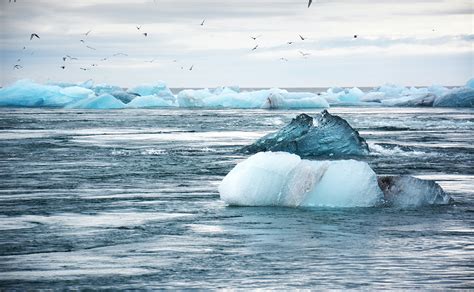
pixel 94 65
pixel 34 35
pixel 290 43
pixel 17 67
pixel 71 58
pixel 355 36
pixel 24 48
pixel 304 54
pixel 255 38
pixel 145 34
pixel 84 69
pixel 202 23
pixel 309 3
pixel 63 67
pixel 89 47
pixel 302 38
pixel 284 59
pixel 87 33
pixel 104 59
pixel 138 27
pixel 64 59
pixel 191 68
pixel 82 41
pixel 254 48
pixel 150 61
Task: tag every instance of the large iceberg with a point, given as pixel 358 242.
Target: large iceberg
pixel 104 101
pixel 462 97
pixel 284 179
pixel 323 135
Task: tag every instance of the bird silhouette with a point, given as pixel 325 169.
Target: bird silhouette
pixel 355 36
pixel 87 33
pixel 304 54
pixel 254 48
pixel 309 3
pixel 284 59
pixel 89 47
pixel 302 38
pixel 63 67
pixel 290 43
pixel 202 23
pixel 34 35
pixel 18 67
pixel 191 68
pixel 138 27
pixel 255 38
pixel 145 34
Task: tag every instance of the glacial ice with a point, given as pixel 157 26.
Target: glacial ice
pixel 283 179
pixel 104 101
pixel 323 135
pixel 407 191
pixel 26 93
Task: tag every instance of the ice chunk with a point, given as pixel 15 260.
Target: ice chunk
pixel 325 135
pixel 104 101
pixel 76 92
pixel 416 100
pixel 283 179
pixel 149 101
pixel 123 96
pixel 408 191
pixel 193 98
pixel 159 89
pixel 106 88
pixel 470 83
pixel 461 97
pixel 26 93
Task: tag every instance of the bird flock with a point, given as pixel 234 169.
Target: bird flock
pixel 83 40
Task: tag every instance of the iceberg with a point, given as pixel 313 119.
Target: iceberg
pixel 159 89
pixel 104 101
pixel 284 179
pixel 461 97
pixel 150 101
pixel 26 93
pixel 407 191
pixel 324 135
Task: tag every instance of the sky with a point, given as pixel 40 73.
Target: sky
pixel 408 42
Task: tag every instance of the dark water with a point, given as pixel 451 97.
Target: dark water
pixel 128 199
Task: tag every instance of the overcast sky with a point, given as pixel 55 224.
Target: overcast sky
pixel 410 42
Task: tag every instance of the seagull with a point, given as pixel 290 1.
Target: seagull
pixel 202 23
pixel 71 58
pixel 63 67
pixel 64 59
pixel 18 60
pixel 82 41
pixel 94 65
pixel 138 27
pixel 355 36
pixel 34 35
pixel 255 48
pixel 290 43
pixel 24 48
pixel 191 68
pixel 255 38
pixel 17 67
pixel 302 38
pixel 145 34
pixel 304 54
pixel 309 3
pixel 11 1
pixel 284 59
pixel 104 59
pixel 84 69
pixel 89 47
pixel 87 33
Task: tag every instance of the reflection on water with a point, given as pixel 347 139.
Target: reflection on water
pixel 115 199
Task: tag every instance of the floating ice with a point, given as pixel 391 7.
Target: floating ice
pixel 408 191
pixel 283 179
pixel 25 93
pixel 462 97
pixel 149 101
pixel 324 135
pixel 104 101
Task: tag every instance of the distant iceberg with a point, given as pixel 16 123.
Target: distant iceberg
pixel 26 93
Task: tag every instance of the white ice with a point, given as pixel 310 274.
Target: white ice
pixel 283 179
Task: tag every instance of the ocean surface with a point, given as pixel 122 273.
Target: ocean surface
pixel 127 199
